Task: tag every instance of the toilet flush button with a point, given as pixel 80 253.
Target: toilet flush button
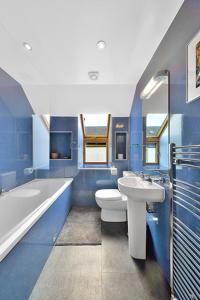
pixel 28 171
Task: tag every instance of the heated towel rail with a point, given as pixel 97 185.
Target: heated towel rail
pixel 185 221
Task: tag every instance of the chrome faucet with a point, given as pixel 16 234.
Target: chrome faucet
pixel 148 178
pixel 158 178
pixel 2 191
pixel 141 175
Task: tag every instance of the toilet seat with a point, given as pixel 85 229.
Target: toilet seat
pixel 113 205
pixel 109 194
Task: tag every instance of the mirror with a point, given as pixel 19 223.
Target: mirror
pixel 155 114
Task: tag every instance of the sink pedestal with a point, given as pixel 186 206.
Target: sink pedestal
pixel 139 192
pixel 137 229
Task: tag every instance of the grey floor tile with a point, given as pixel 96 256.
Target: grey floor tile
pixel 70 286
pixel 122 286
pixel 115 256
pixel 74 259
pixel 152 280
pixel 84 214
pixel 105 272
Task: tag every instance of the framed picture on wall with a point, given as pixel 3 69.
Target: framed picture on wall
pixel 193 69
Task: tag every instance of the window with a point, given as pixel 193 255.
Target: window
pixel 155 124
pixel 95 138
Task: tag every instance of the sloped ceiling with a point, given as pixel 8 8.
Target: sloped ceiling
pixel 63 35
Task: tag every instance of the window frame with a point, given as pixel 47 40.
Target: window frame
pixel 95 139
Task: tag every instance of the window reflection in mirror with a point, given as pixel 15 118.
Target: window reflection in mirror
pixel 152 153
pixel 155 122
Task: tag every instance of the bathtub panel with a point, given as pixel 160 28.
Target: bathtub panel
pixel 21 268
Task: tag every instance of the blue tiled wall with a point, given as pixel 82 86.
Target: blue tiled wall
pixel 185 118
pixel 136 134
pixel 164 154
pixel 123 164
pixel 21 268
pixel 15 133
pixel 61 143
pixel 86 182
pixel 63 168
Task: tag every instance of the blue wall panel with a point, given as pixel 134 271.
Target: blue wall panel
pixel 87 182
pixel 164 153
pixel 21 268
pixel 185 118
pixel 63 168
pixel 123 164
pixel 136 135
pixel 61 143
pixel 15 133
pixel 160 233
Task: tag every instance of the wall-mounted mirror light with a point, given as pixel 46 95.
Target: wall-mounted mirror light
pixel 154 84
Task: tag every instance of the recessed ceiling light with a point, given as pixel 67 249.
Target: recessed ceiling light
pixel 94 75
pixel 27 46
pixel 101 45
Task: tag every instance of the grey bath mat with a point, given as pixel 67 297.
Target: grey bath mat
pixel 82 227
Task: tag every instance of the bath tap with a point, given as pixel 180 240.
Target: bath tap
pixel 2 191
pixel 141 175
pixel 148 178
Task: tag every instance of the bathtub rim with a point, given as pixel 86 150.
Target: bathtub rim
pixel 18 232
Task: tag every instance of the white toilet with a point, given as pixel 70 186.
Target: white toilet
pixel 113 205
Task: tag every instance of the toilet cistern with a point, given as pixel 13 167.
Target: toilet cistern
pixel 139 192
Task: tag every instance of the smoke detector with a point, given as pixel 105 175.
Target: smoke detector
pixel 93 75
pixel 101 45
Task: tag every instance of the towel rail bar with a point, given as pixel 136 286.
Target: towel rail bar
pixel 186 190
pixel 185 223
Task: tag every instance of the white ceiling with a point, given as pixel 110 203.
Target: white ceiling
pixel 63 35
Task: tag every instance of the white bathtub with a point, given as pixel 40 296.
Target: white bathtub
pixel 21 207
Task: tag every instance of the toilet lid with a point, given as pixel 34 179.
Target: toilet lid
pixel 110 194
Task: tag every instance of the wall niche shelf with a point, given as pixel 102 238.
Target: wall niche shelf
pixel 121 139
pixel 61 143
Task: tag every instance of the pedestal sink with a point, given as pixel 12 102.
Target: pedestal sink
pixel 139 192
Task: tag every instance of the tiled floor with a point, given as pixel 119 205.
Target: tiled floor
pixel 105 272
